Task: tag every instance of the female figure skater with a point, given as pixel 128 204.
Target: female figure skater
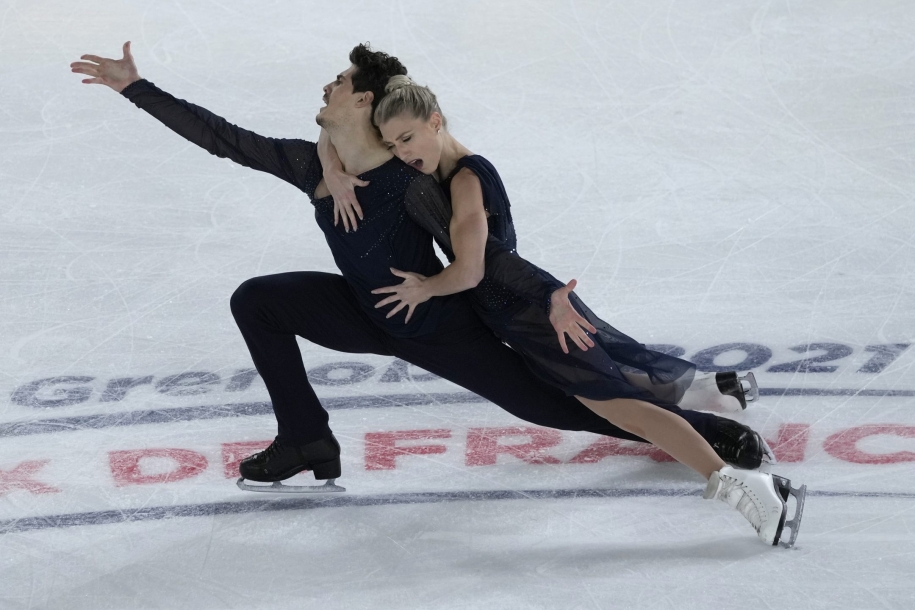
pixel 531 311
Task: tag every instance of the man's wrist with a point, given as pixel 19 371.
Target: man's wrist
pixel 131 83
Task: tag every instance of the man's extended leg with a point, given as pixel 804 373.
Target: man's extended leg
pixel 271 310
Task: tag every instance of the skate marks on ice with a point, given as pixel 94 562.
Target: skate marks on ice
pixel 314 501
pixel 169 415
pixel 118 471
pixel 837 359
pixel 378 401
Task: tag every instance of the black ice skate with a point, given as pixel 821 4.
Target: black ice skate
pixel 741 446
pixel 280 461
pixel 744 389
pixel 762 499
pixel 721 392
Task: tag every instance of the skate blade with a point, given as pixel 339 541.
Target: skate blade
pixel 749 387
pixel 794 524
pixel 277 487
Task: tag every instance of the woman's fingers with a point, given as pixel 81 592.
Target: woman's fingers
pixel 354 204
pixel 562 342
pixel 348 209
pixel 386 290
pixel 340 215
pixel 409 314
pixel 352 218
pixel 396 309
pixel 387 301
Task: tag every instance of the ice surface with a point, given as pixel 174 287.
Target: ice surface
pixel 713 174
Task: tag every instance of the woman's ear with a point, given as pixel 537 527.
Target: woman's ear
pixel 435 121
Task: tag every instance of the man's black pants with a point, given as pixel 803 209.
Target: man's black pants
pixel 321 308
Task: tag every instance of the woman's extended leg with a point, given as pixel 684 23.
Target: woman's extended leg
pixel 760 497
pixel 661 428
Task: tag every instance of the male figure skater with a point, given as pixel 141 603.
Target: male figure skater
pixel 442 336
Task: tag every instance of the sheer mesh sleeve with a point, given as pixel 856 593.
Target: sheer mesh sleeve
pixel 428 207
pixel 288 159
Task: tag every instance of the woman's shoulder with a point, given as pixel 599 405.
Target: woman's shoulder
pixel 464 176
pixel 478 165
pixel 475 170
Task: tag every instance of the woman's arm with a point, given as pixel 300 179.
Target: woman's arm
pixel 468 234
pixel 340 184
pixel 430 210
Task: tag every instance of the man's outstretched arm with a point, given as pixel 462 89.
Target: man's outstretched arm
pixel 289 160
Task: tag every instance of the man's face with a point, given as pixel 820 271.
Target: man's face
pixel 339 99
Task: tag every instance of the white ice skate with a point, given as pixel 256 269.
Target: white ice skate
pixel 724 392
pixel 277 487
pixel 761 498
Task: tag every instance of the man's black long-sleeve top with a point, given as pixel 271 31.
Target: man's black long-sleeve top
pixel 387 237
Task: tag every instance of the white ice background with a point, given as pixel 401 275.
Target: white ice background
pixel 712 173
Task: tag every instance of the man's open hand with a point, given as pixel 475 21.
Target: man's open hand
pixel 116 73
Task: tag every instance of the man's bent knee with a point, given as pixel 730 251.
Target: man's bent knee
pixel 247 297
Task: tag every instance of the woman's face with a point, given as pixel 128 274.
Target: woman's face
pixel 416 142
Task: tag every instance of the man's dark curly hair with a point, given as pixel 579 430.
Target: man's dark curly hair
pixel 373 69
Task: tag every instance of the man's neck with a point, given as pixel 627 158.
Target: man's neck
pixel 359 148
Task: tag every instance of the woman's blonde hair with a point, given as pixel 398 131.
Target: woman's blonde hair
pixel 403 96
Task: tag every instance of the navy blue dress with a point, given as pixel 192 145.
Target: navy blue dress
pixel 513 300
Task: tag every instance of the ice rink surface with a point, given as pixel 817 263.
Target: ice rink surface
pixel 732 180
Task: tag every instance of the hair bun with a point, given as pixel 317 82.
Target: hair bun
pixel 398 82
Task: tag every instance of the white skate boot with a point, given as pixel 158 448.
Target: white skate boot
pixel 761 498
pixel 721 392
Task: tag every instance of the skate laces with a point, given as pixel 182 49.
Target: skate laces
pixel 274 448
pixel 737 496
